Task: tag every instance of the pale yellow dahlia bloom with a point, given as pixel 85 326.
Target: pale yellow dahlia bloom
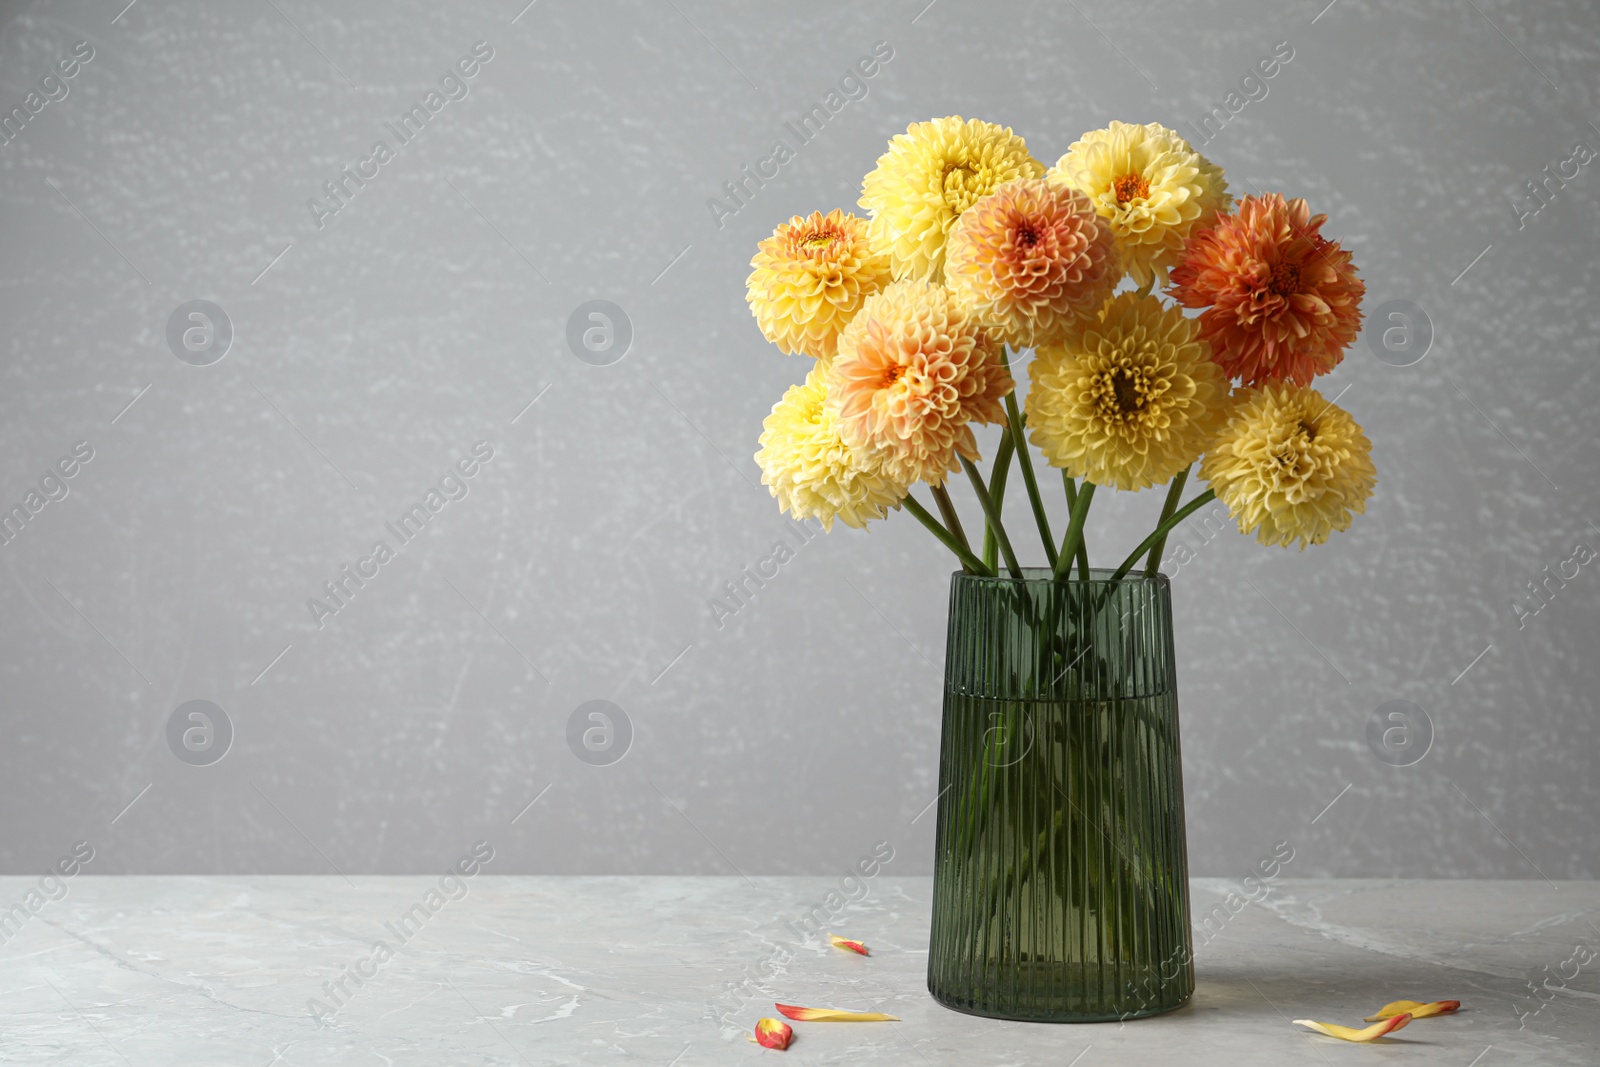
pixel 810 278
pixel 914 368
pixel 928 177
pixel 1290 466
pixel 1128 400
pixel 1150 185
pixel 813 473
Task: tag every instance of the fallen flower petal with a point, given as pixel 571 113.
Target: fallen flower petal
pixel 833 1015
pixel 1415 1008
pixel 853 946
pixel 1346 1033
pixel 773 1033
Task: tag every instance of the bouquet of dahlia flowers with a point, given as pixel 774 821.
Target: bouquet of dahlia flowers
pixel 973 249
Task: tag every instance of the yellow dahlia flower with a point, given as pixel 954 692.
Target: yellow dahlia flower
pixel 809 468
pixel 811 276
pixel 1290 466
pixel 1150 185
pixel 1128 400
pixel 1031 257
pixel 928 177
pixel 914 368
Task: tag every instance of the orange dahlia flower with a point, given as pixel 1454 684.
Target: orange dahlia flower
pixel 1030 258
pixel 914 368
pixel 1281 301
pixel 811 276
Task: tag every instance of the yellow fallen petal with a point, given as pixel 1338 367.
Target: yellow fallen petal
pixel 1415 1008
pixel 1345 1033
pixel 853 946
pixel 833 1015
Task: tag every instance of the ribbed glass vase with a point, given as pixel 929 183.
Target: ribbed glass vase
pixel 1060 890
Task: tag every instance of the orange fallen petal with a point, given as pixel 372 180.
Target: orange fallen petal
pixel 833 1015
pixel 1346 1033
pixel 773 1033
pixel 1415 1008
pixel 853 946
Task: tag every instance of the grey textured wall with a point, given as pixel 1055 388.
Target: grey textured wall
pixel 372 352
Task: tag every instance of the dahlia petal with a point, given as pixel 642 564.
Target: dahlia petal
pixel 1346 1033
pixel 833 1015
pixel 773 1033
pixel 1415 1009
pixel 848 945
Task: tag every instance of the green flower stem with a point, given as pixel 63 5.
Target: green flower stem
pixel 997 492
pixel 1165 528
pixel 1025 461
pixel 952 521
pixel 1174 493
pixel 992 514
pixel 1071 486
pixel 969 562
pixel 1074 537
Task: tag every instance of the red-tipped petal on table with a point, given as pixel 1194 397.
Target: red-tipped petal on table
pixel 773 1033
pixel 833 1015
pixel 1414 1008
pixel 845 943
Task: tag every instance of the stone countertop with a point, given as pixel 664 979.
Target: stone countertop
pixel 671 971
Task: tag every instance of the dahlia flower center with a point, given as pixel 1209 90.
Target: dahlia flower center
pixel 819 239
pixel 1285 280
pixel 962 186
pixel 1027 236
pixel 1121 393
pixel 891 374
pixel 1130 187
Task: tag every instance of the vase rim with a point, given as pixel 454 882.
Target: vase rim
pixel 1035 576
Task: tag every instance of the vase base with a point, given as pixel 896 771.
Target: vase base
pixel 1067 993
pixel 1056 1015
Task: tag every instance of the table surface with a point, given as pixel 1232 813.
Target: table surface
pixel 672 971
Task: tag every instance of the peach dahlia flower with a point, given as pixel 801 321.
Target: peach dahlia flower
pixel 1030 258
pixel 914 368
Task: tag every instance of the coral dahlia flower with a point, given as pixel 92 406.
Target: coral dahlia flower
pixel 1150 186
pixel 1290 466
pixel 809 468
pixel 1127 400
pixel 810 278
pixel 1031 257
pixel 928 177
pixel 1282 302
pixel 914 368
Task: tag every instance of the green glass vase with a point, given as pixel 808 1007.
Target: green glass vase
pixel 1060 889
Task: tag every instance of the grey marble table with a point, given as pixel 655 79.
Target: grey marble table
pixel 671 971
